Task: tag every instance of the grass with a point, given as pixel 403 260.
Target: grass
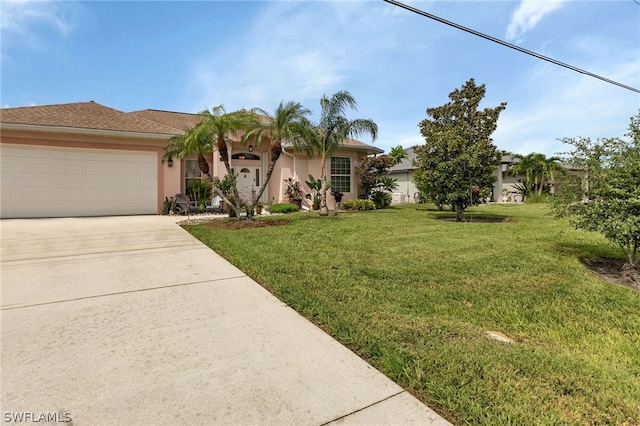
pixel 414 296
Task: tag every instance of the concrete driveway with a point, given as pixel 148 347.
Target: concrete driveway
pixel 131 321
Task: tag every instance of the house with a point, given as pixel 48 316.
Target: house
pixel 86 159
pixel 505 188
pixel 407 192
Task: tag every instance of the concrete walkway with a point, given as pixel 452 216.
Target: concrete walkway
pixel 131 321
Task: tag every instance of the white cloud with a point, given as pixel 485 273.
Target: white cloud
pixel 19 15
pixel 290 52
pixel 27 24
pixel 528 14
pixel 569 105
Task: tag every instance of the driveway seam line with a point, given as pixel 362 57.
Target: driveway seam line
pixel 8 308
pixel 363 408
pixel 68 256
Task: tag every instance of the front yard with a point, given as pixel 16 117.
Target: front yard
pixel 415 296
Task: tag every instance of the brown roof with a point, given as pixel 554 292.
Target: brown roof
pixel 84 115
pixel 91 115
pixel 177 120
pixel 352 143
pixel 355 143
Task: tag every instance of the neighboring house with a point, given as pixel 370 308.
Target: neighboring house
pixel 503 190
pixel 86 159
pixel 403 172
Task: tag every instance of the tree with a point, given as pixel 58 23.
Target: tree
pixel 331 132
pixel 372 169
pixel 457 164
pixel 373 173
pixel 287 123
pixel 213 132
pixel 397 154
pixel 194 141
pixel 538 171
pixel 607 199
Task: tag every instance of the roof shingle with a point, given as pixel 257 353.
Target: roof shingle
pixel 84 115
pixel 94 116
pixel 177 120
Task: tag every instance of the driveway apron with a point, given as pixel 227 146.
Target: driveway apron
pixel 132 321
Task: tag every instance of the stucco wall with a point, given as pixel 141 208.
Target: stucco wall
pixel 406 186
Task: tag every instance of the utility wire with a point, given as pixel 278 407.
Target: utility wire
pixel 512 46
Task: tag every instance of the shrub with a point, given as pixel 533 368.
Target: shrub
pixel 200 190
pixel 168 207
pixel 283 208
pixel 381 199
pixel 293 191
pixel 359 205
pixel 536 198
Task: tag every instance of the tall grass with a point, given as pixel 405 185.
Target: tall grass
pixel 414 296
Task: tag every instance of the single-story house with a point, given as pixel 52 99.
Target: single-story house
pixel 503 190
pixel 407 192
pixel 86 159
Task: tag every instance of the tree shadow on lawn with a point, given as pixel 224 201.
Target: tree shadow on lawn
pixel 244 224
pixel 476 219
pixel 600 263
pixel 469 216
pixel 616 271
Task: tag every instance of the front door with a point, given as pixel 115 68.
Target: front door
pixel 249 180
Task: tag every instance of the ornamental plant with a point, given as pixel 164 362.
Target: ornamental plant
pixel 606 198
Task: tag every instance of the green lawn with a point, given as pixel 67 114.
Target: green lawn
pixel 414 297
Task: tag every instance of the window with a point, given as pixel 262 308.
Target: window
pixel 341 174
pixel 191 172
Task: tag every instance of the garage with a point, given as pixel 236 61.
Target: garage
pixel 41 181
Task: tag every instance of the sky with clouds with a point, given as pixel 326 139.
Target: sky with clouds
pixel 189 55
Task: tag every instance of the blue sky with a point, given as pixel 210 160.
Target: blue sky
pixel 188 55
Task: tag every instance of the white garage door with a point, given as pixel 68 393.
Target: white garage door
pixel 60 182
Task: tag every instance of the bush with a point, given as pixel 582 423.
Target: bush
pixel 381 199
pixel 283 208
pixel 359 205
pixel 200 190
pixel 168 207
pixel 536 198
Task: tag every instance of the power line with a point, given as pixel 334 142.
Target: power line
pixel 512 46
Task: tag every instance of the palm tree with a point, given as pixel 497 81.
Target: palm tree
pixel 537 169
pixel 523 167
pixel 222 127
pixel 331 132
pixel 194 141
pixel 287 123
pixel 397 154
pixel 548 167
pixel 214 131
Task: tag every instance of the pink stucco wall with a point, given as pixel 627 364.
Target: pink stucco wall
pixel 171 179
